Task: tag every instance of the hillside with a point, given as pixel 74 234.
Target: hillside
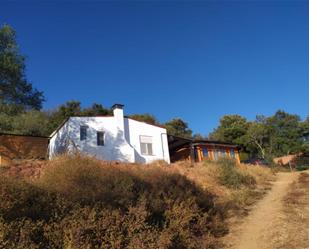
pixel 79 202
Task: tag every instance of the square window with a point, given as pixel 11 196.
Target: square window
pixel 146 145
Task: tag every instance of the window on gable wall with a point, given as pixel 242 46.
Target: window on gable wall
pixel 83 132
pixel 146 145
pixel 100 138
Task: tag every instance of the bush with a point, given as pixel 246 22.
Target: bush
pixel 85 180
pixel 22 200
pixel 302 167
pixel 232 177
pixel 301 162
pixel 80 202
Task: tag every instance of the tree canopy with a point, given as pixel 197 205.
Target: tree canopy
pixel 14 87
pixel 232 129
pixel 265 137
pixel 74 108
pixel 178 127
pixel 147 118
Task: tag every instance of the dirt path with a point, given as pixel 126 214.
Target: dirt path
pixel 254 232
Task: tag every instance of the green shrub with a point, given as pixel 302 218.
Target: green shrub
pixel 302 167
pixel 301 162
pixel 231 177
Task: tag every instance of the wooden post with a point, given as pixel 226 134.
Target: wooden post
pixel 199 154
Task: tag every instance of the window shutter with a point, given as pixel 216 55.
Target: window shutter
pixel 146 139
pixel 149 149
pixel 143 148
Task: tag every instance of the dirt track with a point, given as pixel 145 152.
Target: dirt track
pixel 255 231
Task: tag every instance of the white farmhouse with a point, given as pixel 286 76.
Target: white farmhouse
pixel 115 138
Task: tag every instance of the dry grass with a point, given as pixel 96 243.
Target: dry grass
pixel 204 174
pixel 296 218
pixel 235 201
pixel 180 204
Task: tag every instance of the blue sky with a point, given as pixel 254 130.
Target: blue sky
pixel 194 60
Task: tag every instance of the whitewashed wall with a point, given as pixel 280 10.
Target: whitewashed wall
pixel 159 140
pixel 122 142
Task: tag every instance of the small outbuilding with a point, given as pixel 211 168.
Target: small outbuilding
pixel 16 147
pixel 202 149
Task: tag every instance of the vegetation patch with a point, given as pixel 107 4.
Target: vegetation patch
pixel 232 177
pixel 79 202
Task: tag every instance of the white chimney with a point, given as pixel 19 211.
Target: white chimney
pixel 118 115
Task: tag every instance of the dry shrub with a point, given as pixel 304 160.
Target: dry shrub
pixel 80 202
pixel 20 199
pixel 262 174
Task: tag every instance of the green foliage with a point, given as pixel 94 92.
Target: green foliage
pixel 178 127
pixel 232 129
pixel 285 133
pixel 14 87
pixel 266 137
pixel 232 177
pixel 96 110
pixel 199 136
pixel 33 123
pixel 82 203
pixel 39 123
pixel 302 167
pixel 305 125
pixel 301 162
pixel 147 118
pixel 73 108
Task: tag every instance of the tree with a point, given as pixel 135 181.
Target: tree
pixel 73 108
pixel 34 123
pixel 64 111
pixel 147 118
pixel 257 138
pixel 14 87
pixel 285 133
pixel 232 129
pixel 178 127
pixel 198 136
pixel 305 125
pixel 96 109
